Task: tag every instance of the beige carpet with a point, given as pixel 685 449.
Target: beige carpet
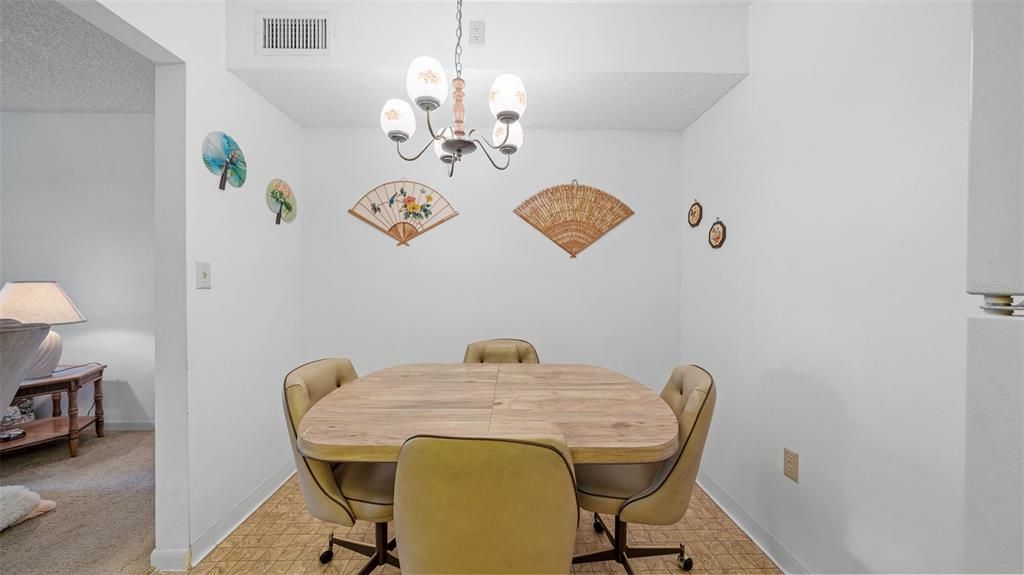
pixel 103 523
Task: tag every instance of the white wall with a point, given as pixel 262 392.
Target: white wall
pixel 833 317
pixel 996 203
pixel 242 334
pixel 995 266
pixel 487 273
pixel 78 196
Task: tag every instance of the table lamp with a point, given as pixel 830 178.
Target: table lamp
pixel 40 302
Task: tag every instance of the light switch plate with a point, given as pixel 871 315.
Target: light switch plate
pixel 203 278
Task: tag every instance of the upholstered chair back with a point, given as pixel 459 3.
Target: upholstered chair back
pixel 303 387
pixel 690 392
pixel 18 345
pixel 501 351
pixel 485 505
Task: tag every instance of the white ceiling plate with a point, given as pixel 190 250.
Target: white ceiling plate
pixel 568 100
pixel 51 60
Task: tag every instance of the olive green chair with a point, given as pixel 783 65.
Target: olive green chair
pixel 485 505
pixel 501 351
pixel 655 493
pixel 339 493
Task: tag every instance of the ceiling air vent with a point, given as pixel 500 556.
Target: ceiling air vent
pixel 293 34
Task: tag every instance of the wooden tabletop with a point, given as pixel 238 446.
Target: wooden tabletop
pixel 66 373
pixel 604 416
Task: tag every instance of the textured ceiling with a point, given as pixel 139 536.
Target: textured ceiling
pixel 577 100
pixel 51 60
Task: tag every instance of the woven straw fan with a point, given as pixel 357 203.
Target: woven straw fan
pixel 403 209
pixel 573 215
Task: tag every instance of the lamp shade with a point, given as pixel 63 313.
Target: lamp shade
pixel 426 83
pixel 38 302
pixel 515 136
pixel 446 134
pixel 397 120
pixel 507 98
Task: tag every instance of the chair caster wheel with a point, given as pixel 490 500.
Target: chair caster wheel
pixel 326 556
pixel 598 527
pixel 685 562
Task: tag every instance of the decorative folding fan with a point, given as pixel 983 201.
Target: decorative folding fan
pixel 403 209
pixel 223 157
pixel 281 200
pixel 573 215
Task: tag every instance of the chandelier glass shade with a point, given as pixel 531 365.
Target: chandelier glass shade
pixel 397 120
pixel 427 87
pixel 426 83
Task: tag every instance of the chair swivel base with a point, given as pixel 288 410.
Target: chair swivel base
pixel 378 553
pixel 621 552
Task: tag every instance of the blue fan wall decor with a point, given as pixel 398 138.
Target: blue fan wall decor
pixel 223 157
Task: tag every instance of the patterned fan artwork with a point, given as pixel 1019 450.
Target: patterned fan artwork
pixel 281 201
pixel 223 157
pixel 403 209
pixel 573 215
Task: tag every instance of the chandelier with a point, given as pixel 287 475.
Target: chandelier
pixel 427 87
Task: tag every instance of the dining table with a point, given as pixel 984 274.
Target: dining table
pixel 602 415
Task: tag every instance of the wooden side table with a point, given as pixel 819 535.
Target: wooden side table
pixel 64 380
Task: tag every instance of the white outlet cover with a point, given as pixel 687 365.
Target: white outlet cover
pixel 477 32
pixel 203 278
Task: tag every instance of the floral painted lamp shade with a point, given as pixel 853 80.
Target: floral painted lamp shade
pixel 281 200
pixel 223 157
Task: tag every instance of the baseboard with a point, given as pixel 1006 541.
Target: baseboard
pixel 173 560
pixel 129 425
pixel 205 543
pixel 761 536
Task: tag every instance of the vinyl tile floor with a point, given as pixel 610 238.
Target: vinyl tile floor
pixel 282 538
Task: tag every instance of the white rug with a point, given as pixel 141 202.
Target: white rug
pixel 15 502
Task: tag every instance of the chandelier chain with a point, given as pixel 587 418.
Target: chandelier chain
pixel 458 39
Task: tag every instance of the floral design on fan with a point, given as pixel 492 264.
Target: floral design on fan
pixel 393 114
pixel 281 200
pixel 521 96
pixel 411 206
pixel 429 77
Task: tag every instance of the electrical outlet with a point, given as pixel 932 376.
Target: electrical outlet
pixel 791 465
pixel 203 278
pixel 476 32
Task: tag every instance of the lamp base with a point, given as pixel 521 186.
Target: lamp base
pixel 47 357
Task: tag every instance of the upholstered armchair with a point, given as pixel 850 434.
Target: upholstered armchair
pixel 485 505
pixel 501 351
pixel 339 493
pixel 656 493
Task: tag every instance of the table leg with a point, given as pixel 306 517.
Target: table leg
pixel 98 403
pixel 55 398
pixel 73 419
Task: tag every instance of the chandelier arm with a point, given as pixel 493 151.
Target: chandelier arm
pixel 430 128
pixel 398 146
pixel 508 158
pixel 451 168
pixel 483 139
